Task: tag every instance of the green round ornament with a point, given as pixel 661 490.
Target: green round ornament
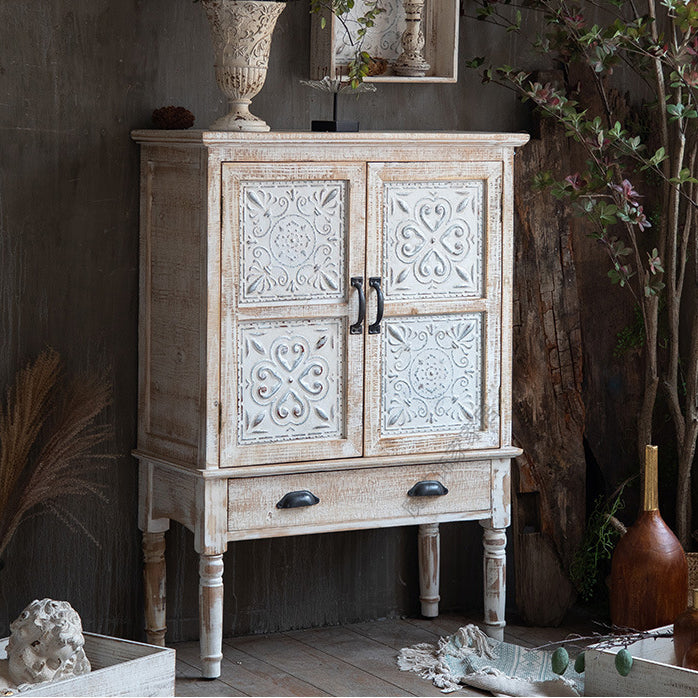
pixel 624 662
pixel 560 660
pixel 579 663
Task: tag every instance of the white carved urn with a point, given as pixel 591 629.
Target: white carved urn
pixel 241 32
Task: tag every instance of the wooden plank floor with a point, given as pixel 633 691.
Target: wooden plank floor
pixel 348 660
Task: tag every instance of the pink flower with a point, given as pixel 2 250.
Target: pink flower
pixel 544 94
pixel 576 181
pixel 692 48
pixel 691 78
pixel 629 194
pixel 575 21
pixel 655 264
pixel 641 220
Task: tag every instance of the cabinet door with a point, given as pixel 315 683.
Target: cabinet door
pixel 433 372
pixel 291 382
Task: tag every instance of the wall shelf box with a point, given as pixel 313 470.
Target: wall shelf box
pixel 330 52
pixel 119 668
pixel 325 331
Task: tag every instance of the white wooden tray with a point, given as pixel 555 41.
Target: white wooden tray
pixel 653 672
pixel 119 668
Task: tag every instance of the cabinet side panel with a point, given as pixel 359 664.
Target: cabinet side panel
pixel 170 309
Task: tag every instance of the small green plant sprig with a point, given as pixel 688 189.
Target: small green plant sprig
pixel 360 65
pixel 628 172
pixel 598 542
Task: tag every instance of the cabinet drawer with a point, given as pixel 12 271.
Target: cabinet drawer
pixel 362 498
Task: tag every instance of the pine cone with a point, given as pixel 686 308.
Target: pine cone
pixel 173 118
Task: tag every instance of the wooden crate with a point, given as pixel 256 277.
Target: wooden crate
pixel 653 672
pixel 119 668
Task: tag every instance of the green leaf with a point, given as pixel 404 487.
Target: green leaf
pixel 475 62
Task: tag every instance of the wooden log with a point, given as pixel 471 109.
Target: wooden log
pixel 549 414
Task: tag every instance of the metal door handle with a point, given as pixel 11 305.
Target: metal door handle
pixel 300 498
pixel 358 327
pixel 428 488
pixel 375 283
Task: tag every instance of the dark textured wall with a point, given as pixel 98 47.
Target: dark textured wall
pixel 75 77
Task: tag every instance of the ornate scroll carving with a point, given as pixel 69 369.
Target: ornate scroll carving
pixel 432 374
pixel 291 381
pixel 433 239
pixel 292 238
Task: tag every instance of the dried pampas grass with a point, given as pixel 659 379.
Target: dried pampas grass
pixel 47 429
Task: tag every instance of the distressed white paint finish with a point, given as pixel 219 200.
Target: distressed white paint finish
pixel 119 668
pixel 350 500
pixel 252 385
pixel 293 241
pixel 211 617
pixel 494 541
pixel 291 370
pixel 291 381
pixel 429 553
pixel 436 367
pixel 433 239
pixel 432 375
pixel 154 587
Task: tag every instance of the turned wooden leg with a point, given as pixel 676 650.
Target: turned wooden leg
pixel 494 541
pixel 154 586
pixel 429 557
pixel 211 614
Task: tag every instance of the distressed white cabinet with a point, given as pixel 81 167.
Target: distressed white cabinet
pixel 324 345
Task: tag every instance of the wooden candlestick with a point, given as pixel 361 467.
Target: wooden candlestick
pixel 411 61
pixel 649 572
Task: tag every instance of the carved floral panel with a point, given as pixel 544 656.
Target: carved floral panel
pixel 292 241
pixel 290 381
pixel 432 374
pixel 433 237
pixel 382 39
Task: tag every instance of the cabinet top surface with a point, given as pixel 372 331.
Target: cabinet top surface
pixel 233 138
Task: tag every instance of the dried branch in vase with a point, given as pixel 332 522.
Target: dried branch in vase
pixel 47 431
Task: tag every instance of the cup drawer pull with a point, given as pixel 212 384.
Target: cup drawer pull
pixel 300 498
pixel 428 488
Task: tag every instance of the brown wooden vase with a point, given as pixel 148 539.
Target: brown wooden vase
pixel 690 659
pixel 686 629
pixel 649 572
